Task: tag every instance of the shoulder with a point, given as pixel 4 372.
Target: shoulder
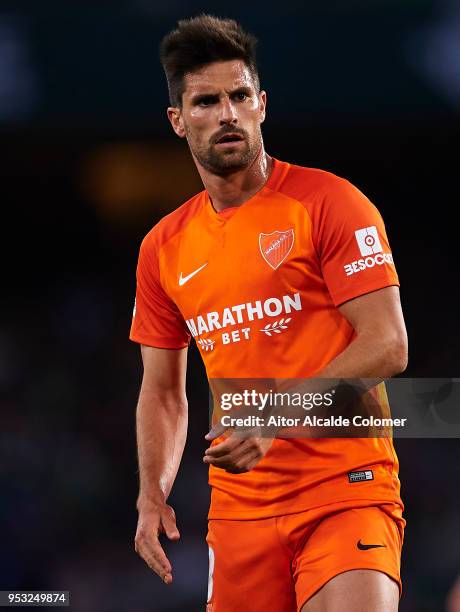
pixel 172 223
pixel 309 185
pixel 325 195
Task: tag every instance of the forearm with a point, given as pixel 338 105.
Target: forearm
pixel 161 425
pixel 367 357
pixel 366 361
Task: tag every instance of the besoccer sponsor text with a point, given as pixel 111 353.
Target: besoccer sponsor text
pixel 371 250
pixel 368 262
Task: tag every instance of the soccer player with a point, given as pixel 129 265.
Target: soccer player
pixel 295 524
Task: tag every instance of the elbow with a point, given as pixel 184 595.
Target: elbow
pixel 183 406
pixel 397 355
pixel 176 404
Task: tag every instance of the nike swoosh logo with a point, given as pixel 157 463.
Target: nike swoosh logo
pixel 185 279
pixel 368 546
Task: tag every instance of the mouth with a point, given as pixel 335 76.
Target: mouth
pixel 229 140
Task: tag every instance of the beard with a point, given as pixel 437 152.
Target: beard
pixel 226 161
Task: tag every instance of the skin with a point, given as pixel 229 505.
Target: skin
pixel 220 99
pixel 453 599
pixel 161 419
pixel 356 591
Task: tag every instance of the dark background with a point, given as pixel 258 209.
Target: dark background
pixel 368 90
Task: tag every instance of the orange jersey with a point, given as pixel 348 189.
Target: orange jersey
pixel 284 260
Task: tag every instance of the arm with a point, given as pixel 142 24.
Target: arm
pixel 378 351
pixel 380 347
pixel 161 425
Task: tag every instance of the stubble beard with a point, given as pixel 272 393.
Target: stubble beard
pixel 226 162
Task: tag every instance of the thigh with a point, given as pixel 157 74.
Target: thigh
pixel 343 544
pixel 356 591
pixel 249 569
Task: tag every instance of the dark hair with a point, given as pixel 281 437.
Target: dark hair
pixel 202 40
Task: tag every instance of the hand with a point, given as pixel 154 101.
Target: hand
pixel 236 454
pixel 153 520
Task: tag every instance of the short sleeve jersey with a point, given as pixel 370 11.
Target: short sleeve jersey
pixel 284 260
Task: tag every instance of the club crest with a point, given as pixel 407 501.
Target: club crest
pixel 275 247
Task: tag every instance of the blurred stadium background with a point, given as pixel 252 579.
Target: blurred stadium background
pixel 368 89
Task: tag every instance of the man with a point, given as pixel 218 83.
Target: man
pixel 294 524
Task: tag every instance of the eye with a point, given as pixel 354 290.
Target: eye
pixel 206 101
pixel 241 96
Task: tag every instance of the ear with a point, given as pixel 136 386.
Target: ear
pixel 262 105
pixel 175 118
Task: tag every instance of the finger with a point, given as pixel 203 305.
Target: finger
pixel 225 447
pixel 216 431
pixel 239 452
pixel 164 575
pixel 252 462
pixel 167 578
pixel 232 458
pixel 249 459
pixel 168 522
pixel 157 553
pixel 154 555
pixel 243 464
pixel 242 430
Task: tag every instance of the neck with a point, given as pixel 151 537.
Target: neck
pixel 235 188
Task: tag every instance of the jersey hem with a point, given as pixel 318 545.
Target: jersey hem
pixel 342 297
pixel 249 516
pixel 157 342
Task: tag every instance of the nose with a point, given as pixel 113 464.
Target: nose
pixel 228 114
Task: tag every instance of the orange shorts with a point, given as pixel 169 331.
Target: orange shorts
pixel 279 563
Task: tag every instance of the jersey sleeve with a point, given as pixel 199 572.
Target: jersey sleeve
pixel 156 319
pixel 352 244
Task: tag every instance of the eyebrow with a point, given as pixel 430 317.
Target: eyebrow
pixel 201 96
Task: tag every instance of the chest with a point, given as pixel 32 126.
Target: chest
pixel 260 253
